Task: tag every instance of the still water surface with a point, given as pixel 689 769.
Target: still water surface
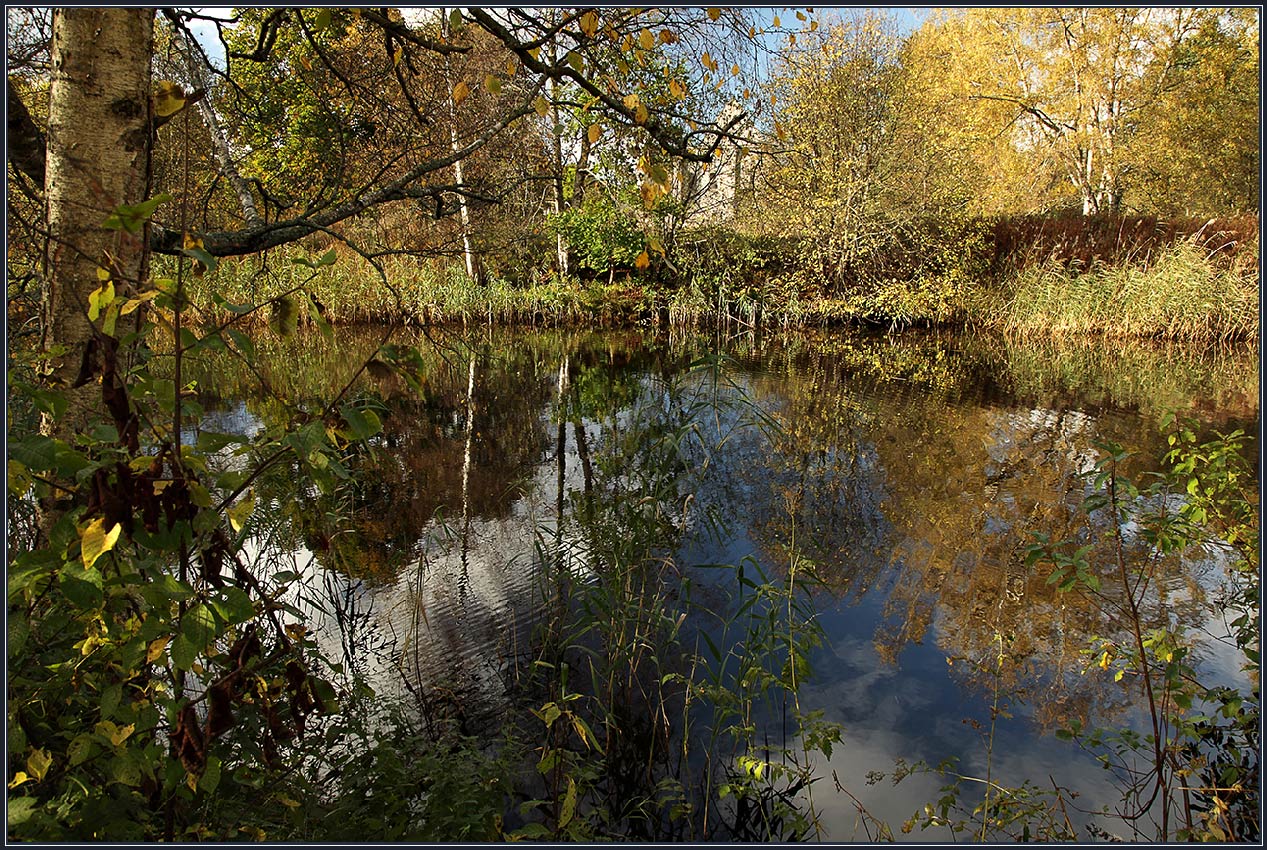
pixel 910 470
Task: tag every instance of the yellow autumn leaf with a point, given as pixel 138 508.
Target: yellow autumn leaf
pixel 677 89
pixel 646 40
pixel 18 779
pixel 734 70
pixel 813 25
pixel 492 84
pixel 707 61
pixel 641 115
pixel 1104 660
pixel 239 513
pixel 116 735
pixel 303 60
pixel 714 14
pixel 541 106
pixel 460 93
pixel 642 262
pixel 589 23
pixel 169 98
pixel 103 274
pixel 189 241
pixel 800 16
pixel 155 649
pixel 667 37
pixel 132 303
pixel 777 22
pixel 593 133
pixel 99 299
pixel 631 100
pixel 510 68
pixel 96 541
pixel 38 763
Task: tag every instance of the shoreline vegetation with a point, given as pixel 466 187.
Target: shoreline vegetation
pixel 1042 277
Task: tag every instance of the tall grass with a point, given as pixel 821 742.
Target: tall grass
pixel 419 293
pixel 1195 289
pixel 1183 295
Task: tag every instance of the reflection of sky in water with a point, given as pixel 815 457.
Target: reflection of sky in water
pixel 456 616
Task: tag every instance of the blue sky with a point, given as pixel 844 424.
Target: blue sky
pixel 908 19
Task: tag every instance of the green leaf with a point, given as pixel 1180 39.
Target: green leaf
pixel 201 256
pixel 242 341
pixel 19 631
pixel 36 452
pixel 184 653
pixel 455 19
pixel 233 605
pixel 324 692
pixel 322 21
pixel 283 318
pixel 550 713
pixel 110 698
pixel 132 218
pixel 568 809
pixel 364 423
pixel 528 830
pixel 314 313
pixel 210 778
pixel 125 770
pixel 235 309
pixel 82 588
pixel 80 749
pixel 198 627
pixel 21 809
pixel 211 442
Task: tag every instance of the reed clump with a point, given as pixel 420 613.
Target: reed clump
pixel 1185 293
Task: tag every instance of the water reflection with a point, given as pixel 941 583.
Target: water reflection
pixel 910 471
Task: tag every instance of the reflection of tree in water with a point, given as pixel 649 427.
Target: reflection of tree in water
pixel 927 484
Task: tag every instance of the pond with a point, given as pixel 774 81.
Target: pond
pixel 893 482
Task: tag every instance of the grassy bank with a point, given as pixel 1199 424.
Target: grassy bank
pixel 1184 294
pixel 1032 278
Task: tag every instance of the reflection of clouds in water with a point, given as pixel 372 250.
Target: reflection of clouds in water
pixel 864 749
pixel 856 683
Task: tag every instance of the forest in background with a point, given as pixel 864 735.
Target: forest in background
pixel 1012 168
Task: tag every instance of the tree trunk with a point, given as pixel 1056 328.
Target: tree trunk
pixel 99 141
pixel 556 151
pixel 464 212
pixel 200 78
